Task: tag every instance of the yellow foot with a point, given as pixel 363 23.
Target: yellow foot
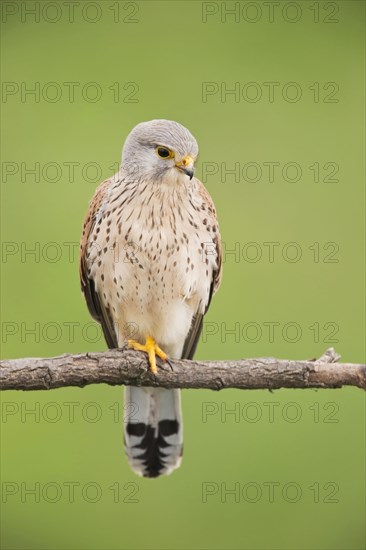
pixel 152 349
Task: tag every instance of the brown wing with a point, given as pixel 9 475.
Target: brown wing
pixel 193 336
pixel 95 305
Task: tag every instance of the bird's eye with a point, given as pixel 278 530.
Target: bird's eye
pixel 164 153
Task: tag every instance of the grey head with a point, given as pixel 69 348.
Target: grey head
pixel 160 150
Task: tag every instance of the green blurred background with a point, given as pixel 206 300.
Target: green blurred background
pixel 315 440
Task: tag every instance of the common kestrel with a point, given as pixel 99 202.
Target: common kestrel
pixel 150 260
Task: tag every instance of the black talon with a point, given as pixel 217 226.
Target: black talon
pixel 170 364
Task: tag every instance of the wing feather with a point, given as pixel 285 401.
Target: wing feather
pixel 191 342
pixel 96 307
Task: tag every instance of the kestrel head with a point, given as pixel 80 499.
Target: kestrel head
pixel 160 150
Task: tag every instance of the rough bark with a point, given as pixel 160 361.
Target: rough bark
pixel 127 367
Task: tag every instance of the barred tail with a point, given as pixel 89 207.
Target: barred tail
pixel 153 430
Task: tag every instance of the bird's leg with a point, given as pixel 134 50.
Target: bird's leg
pixel 152 349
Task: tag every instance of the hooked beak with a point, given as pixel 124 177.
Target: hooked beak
pixel 186 165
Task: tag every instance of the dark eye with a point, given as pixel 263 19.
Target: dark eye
pixel 164 153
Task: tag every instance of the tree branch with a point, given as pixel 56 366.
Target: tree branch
pixel 124 366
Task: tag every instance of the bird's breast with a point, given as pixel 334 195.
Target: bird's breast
pixel 151 265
